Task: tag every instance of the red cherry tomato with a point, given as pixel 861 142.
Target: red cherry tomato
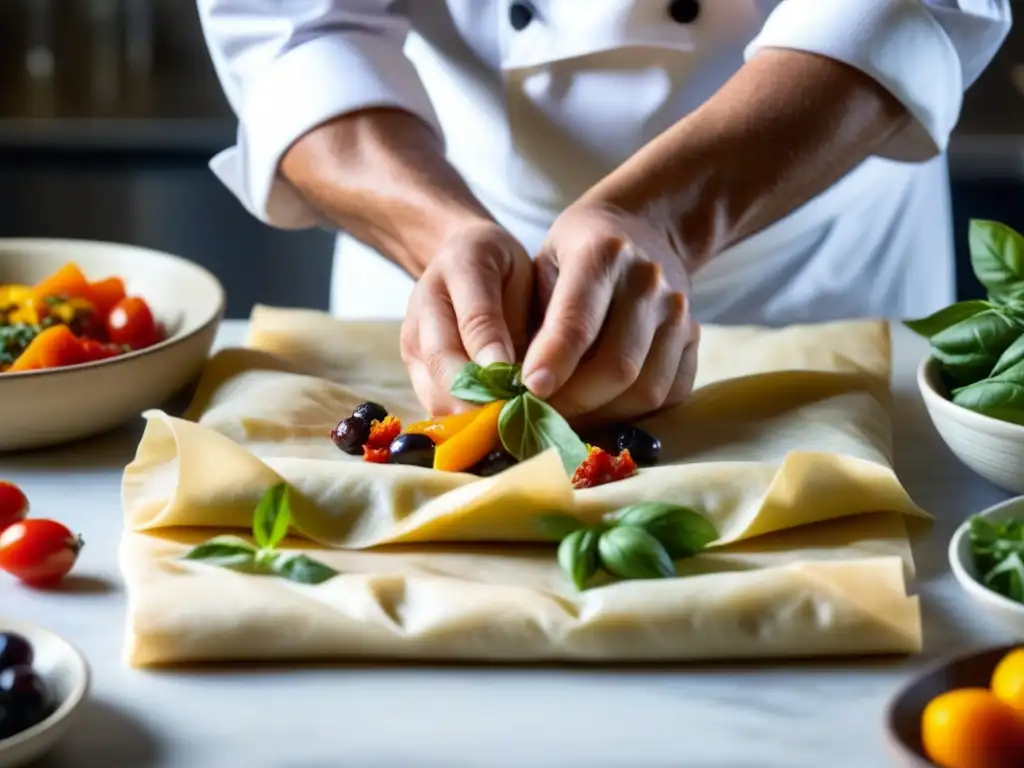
pixel 13 504
pixel 38 552
pixel 131 322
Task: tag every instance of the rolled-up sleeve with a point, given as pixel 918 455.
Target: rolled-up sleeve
pixel 925 52
pixel 287 67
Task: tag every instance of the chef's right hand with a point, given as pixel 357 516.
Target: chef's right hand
pixel 471 303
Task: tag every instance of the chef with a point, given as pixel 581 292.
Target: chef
pixel 577 184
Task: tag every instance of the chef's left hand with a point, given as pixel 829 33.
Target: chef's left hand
pixel 616 340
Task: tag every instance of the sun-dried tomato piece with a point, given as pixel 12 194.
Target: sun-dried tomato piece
pixel 377 448
pixel 601 467
pixel 376 455
pixel 383 432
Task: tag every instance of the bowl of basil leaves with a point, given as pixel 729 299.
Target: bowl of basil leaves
pixel 986 555
pixel 972 381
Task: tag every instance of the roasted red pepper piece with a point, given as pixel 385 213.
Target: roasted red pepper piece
pixel 601 467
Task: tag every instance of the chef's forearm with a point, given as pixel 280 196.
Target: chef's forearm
pixel 381 175
pixel 786 127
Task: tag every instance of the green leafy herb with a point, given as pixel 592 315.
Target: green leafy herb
pixel 969 349
pixel 528 426
pixel 1001 398
pixel 272 517
pixel 469 385
pixel 270 526
pixel 14 338
pixel 225 551
pixel 997 256
pixel 503 379
pixel 577 555
pixel 980 344
pixel 633 553
pixel 640 541
pixel 997 549
pixel 682 531
pixel 1012 357
pixel 946 317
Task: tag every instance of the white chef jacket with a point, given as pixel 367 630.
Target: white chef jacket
pixel 537 100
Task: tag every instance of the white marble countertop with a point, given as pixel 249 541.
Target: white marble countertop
pixel 368 716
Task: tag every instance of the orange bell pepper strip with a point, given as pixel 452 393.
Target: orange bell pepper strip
pixel 444 428
pixel 67 281
pixel 54 347
pixel 472 443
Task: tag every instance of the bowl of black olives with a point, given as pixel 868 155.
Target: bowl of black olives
pixel 43 682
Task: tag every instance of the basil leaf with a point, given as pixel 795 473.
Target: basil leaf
pixel 682 531
pixel 528 426
pixel 1007 578
pixel 577 555
pixel 1000 399
pixel 1013 356
pixel 997 255
pixel 224 551
pixel 503 380
pixel 301 569
pixel 469 385
pixel 969 349
pixel 272 517
pixel 633 553
pixel 944 318
pixel 557 527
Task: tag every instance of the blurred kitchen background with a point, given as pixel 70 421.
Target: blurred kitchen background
pixel 110 111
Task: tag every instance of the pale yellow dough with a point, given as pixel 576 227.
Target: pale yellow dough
pixel 785 446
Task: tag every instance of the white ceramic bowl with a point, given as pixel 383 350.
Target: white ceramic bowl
pixel 44 408
pixel 67 675
pixel 992 448
pixel 1004 610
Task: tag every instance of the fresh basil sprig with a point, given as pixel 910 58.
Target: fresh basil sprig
pixel 980 343
pixel 998 550
pixel 527 425
pixel 269 528
pixel 640 541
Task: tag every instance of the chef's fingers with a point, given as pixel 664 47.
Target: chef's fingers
pixel 516 298
pixel 658 385
pixel 687 373
pixel 574 317
pixel 440 348
pixel 476 286
pixel 624 346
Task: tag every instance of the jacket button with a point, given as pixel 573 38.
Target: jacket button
pixel 520 15
pixel 684 11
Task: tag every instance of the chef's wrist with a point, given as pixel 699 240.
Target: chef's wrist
pixel 382 176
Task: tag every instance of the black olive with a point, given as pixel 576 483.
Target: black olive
pixel 15 651
pixel 351 435
pixel 414 450
pixel 370 412
pixel 493 463
pixel 642 446
pixel 26 698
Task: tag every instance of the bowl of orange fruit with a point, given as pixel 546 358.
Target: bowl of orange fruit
pixel 967 712
pixel 92 334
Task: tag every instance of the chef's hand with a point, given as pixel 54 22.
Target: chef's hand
pixel 471 303
pixel 616 340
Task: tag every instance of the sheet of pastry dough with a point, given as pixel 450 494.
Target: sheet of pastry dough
pixel 785 445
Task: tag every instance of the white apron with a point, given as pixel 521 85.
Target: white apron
pixel 580 92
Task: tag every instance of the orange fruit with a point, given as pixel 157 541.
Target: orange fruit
pixel 1008 679
pixel 971 728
